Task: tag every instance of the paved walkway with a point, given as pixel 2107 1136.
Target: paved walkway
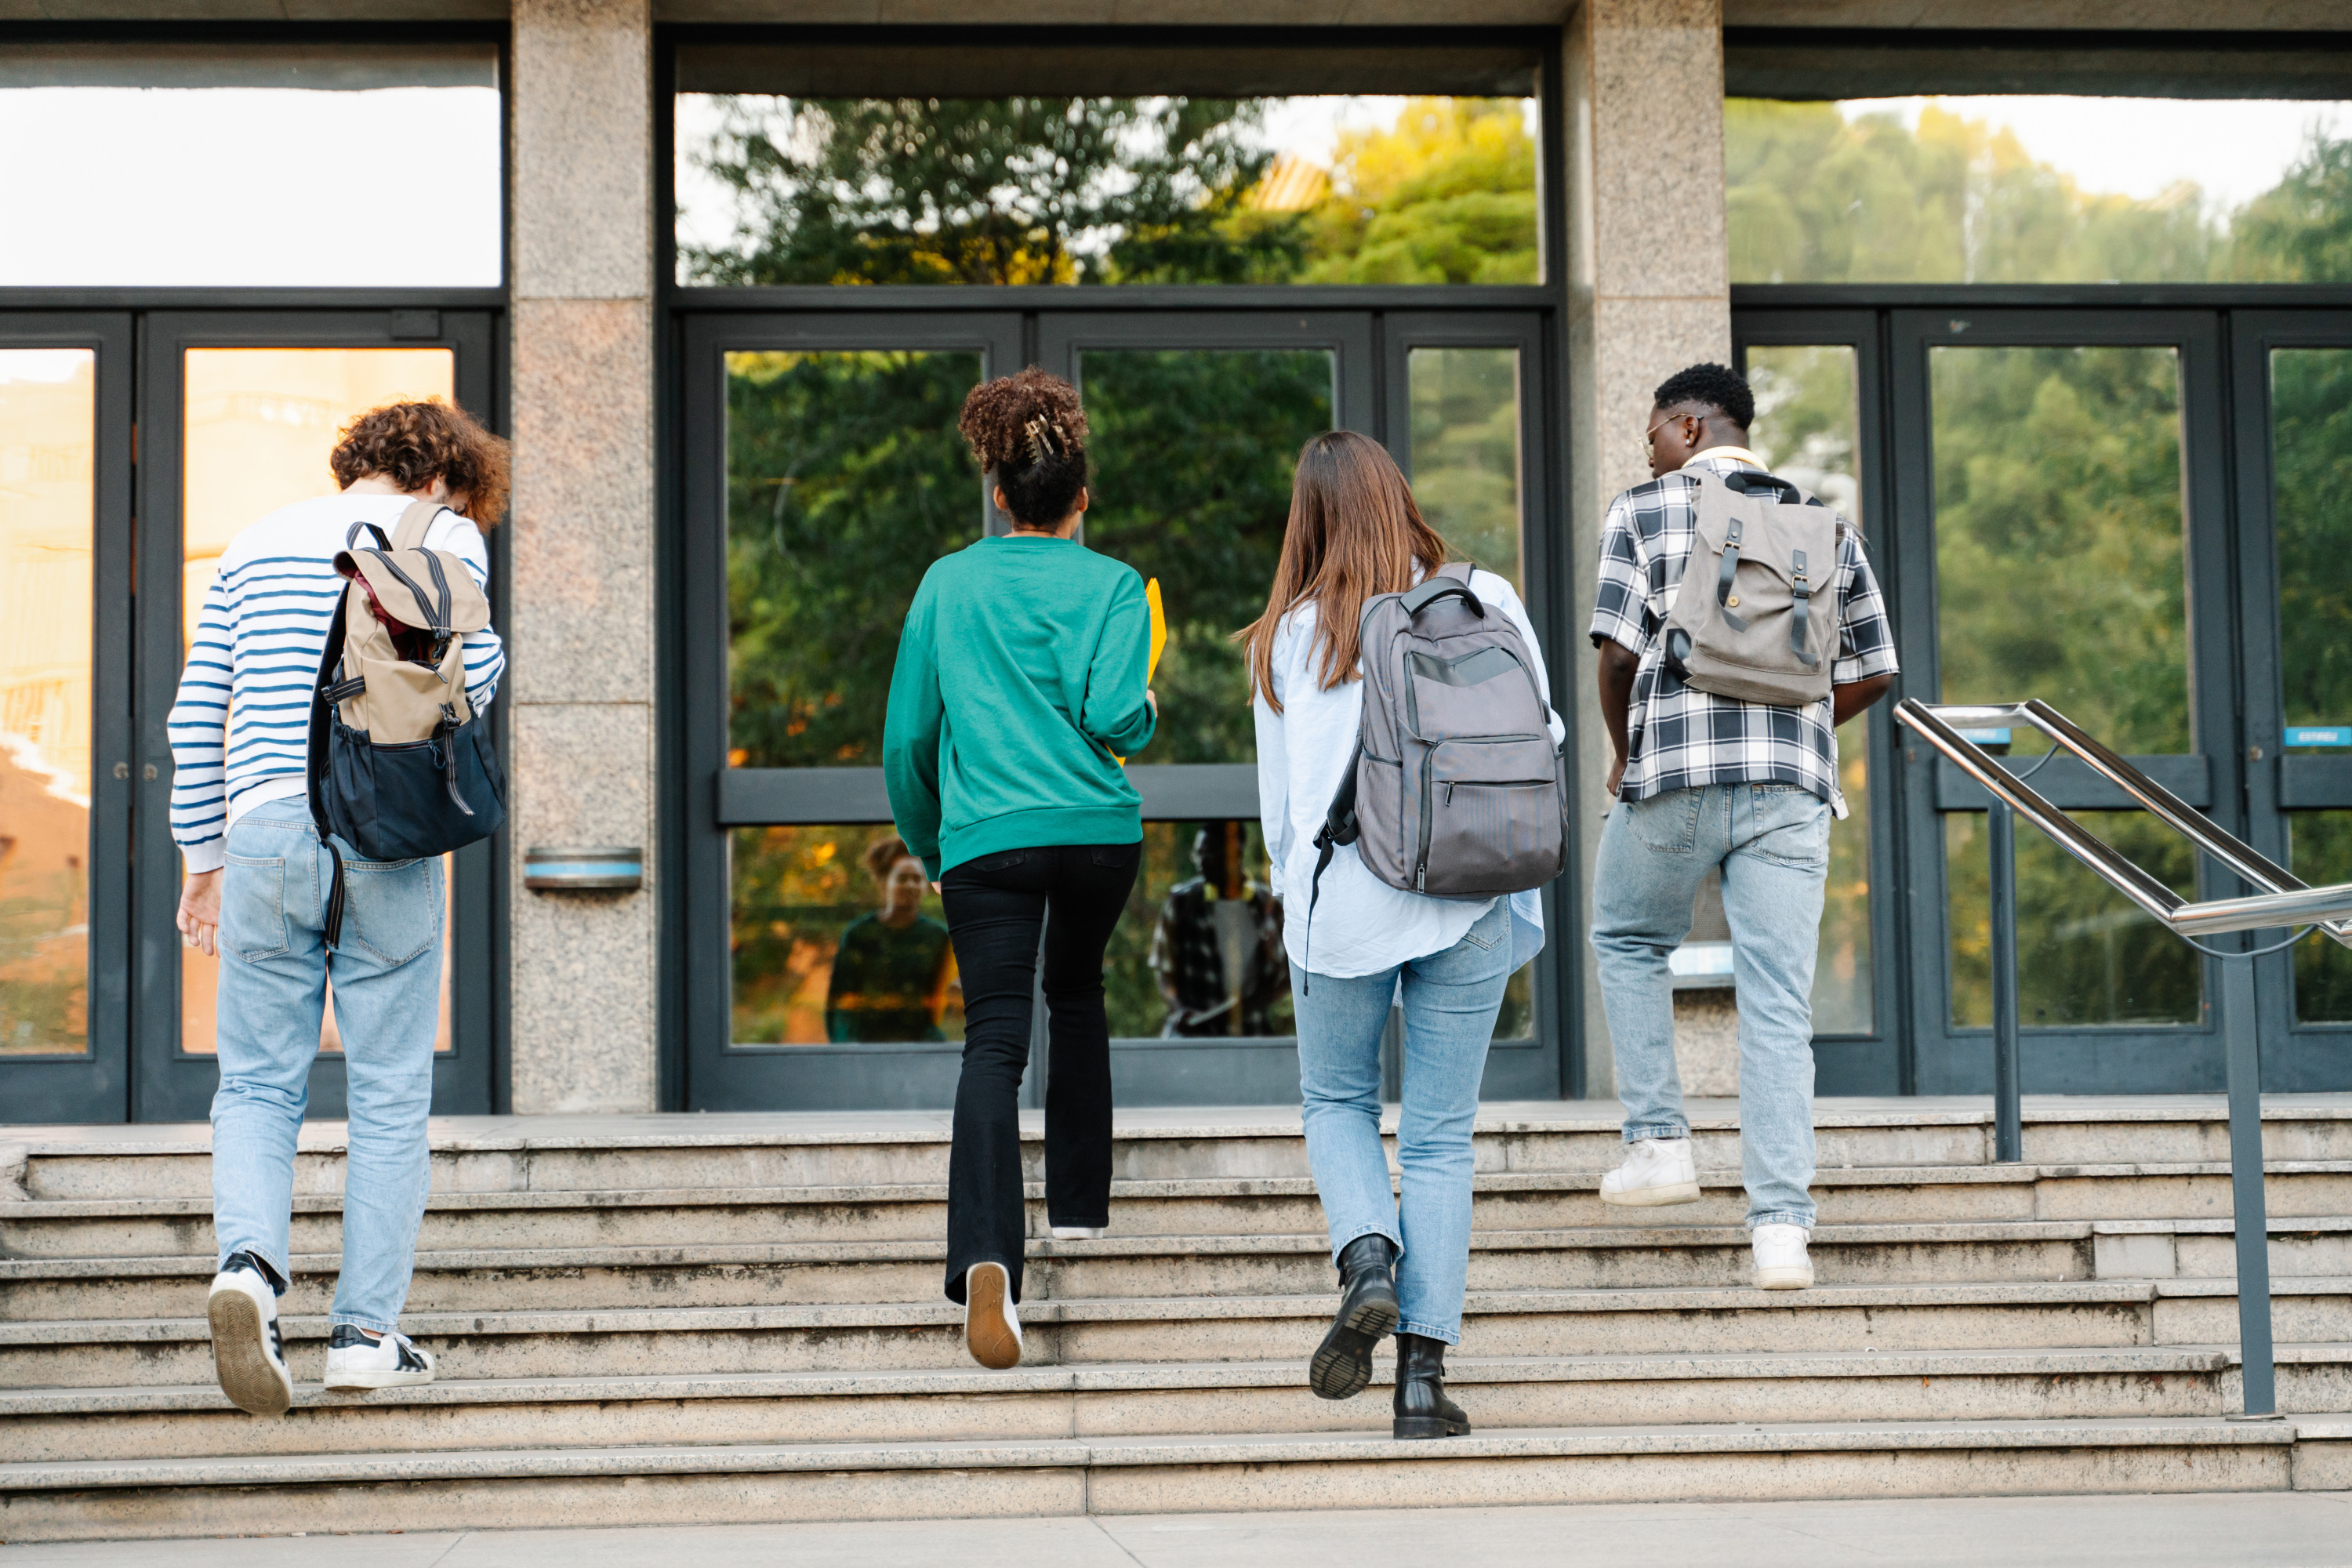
pixel 2246 1529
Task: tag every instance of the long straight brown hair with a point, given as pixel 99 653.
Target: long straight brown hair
pixel 1354 533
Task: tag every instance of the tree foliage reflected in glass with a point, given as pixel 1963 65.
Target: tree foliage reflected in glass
pixel 2319 850
pixel 2311 469
pixel 1103 190
pixel 2059 536
pixel 1814 197
pixel 1465 405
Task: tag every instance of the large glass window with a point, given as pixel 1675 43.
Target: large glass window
pixel 2037 189
pixel 2319 850
pixel 2311 466
pixel 821 165
pixel 1466 464
pixel 48 438
pixel 251 166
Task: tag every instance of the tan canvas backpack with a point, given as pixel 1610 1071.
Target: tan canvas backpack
pixel 1756 616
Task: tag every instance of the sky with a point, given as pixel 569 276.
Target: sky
pixel 248 186
pixel 2234 149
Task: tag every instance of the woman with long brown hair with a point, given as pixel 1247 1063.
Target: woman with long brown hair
pixel 1355 532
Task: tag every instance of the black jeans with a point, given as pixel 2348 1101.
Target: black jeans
pixel 995 905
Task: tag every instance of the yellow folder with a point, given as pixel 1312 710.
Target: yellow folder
pixel 1159 635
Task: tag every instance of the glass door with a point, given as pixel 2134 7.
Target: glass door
pixel 240 413
pixel 66 788
pixel 2062 522
pixel 2293 401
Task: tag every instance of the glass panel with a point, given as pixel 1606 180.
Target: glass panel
pixel 1051 189
pixel 259 427
pixel 1192 452
pixel 49 434
pixel 2319 850
pixel 2059 520
pixel 1808 428
pixel 846 479
pixel 837 937
pixel 1465 451
pixel 2085 955
pixel 2310 432
pixel 254 161
pixel 1199 951
pixel 2036 190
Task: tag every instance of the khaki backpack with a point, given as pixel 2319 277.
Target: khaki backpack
pixel 1756 616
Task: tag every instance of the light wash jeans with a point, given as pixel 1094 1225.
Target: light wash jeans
pixel 1450 1002
pixel 1773 843
pixel 273 986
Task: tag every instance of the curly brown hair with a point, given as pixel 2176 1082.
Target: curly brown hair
pixel 414 443
pixel 1030 432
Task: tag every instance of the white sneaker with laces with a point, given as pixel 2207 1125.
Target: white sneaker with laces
pixel 992 1322
pixel 1656 1172
pixel 1781 1263
pixel 355 1360
pixel 248 1352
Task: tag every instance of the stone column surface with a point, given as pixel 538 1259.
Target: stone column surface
pixel 1650 292
pixel 581 620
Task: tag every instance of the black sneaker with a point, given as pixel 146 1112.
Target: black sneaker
pixel 248 1352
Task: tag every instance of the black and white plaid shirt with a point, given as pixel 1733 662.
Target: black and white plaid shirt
pixel 1685 738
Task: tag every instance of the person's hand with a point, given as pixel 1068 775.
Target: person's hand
pixel 199 919
pixel 935 888
pixel 1616 776
pixel 1152 698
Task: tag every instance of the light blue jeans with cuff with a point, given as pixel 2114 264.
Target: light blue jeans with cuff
pixel 1772 842
pixel 273 991
pixel 1451 999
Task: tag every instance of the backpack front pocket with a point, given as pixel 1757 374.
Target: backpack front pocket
pixel 1492 818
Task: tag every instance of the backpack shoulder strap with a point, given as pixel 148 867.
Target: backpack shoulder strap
pixel 415 523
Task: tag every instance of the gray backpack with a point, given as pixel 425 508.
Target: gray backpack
pixel 1456 789
pixel 1743 622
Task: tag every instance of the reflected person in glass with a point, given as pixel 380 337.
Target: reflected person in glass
pixel 1403 1260
pixel 1021 682
pixel 1216 951
pixel 893 969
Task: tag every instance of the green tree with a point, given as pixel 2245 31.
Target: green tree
pixel 1447 195
pixel 2300 230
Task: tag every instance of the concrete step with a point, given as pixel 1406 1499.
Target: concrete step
pixel 624 1341
pixel 952 1405
pixel 1505 1200
pixel 746 1482
pixel 1115 1268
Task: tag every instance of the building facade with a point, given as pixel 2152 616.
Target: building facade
pixel 723 271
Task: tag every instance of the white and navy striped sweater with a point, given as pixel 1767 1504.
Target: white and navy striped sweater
pixel 240 728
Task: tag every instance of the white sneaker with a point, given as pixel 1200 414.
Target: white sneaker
pixel 1781 1263
pixel 1081 1232
pixel 1656 1172
pixel 355 1360
pixel 991 1321
pixel 248 1352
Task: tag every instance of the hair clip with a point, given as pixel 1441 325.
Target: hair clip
pixel 1035 430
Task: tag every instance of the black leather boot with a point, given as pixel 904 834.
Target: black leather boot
pixel 1368 1311
pixel 1421 1408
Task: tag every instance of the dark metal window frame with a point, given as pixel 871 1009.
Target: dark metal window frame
pixel 2224 333
pixel 696 813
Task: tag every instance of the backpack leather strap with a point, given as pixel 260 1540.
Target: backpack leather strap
pixel 1801 594
pixel 415 524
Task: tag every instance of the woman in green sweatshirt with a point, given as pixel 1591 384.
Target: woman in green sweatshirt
pixel 1021 682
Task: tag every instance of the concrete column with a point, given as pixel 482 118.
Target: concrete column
pixel 1650 292
pixel 581 623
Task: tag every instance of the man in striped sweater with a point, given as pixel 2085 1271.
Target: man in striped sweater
pixel 257 883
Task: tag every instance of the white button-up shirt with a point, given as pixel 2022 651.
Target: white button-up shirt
pixel 1362 925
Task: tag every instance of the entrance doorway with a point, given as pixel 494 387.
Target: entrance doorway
pixel 822 475
pixel 132 447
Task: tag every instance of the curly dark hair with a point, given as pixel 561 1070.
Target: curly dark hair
pixel 412 444
pixel 1715 387
pixel 1029 431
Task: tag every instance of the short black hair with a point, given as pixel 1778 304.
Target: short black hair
pixel 1718 386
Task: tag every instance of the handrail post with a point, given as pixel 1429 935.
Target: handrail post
pixel 2008 1111
pixel 2242 1044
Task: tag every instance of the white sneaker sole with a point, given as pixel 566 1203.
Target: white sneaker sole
pixel 1785 1278
pixel 241 1356
pixel 1081 1232
pixel 1652 1197
pixel 388 1378
pixel 988 1333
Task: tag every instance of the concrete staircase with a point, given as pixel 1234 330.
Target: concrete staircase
pixel 718 1318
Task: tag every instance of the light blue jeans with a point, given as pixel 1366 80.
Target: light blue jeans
pixel 273 988
pixel 1450 1002
pixel 1772 842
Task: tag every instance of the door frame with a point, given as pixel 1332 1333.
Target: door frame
pixel 96 1086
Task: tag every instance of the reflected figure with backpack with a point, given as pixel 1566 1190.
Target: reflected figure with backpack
pixel 1738 624
pixel 327 749
pixel 1414 798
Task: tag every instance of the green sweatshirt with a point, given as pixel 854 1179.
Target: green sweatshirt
pixel 1021 674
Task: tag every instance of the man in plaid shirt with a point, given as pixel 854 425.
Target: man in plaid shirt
pixel 1705 782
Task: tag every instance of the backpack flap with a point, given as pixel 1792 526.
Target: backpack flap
pixel 1755 615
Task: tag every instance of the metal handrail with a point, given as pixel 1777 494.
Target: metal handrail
pixel 2283 900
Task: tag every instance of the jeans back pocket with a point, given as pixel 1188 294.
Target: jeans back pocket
pixel 253 907
pixel 392 909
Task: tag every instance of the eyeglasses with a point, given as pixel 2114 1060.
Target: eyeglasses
pixel 1650 437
